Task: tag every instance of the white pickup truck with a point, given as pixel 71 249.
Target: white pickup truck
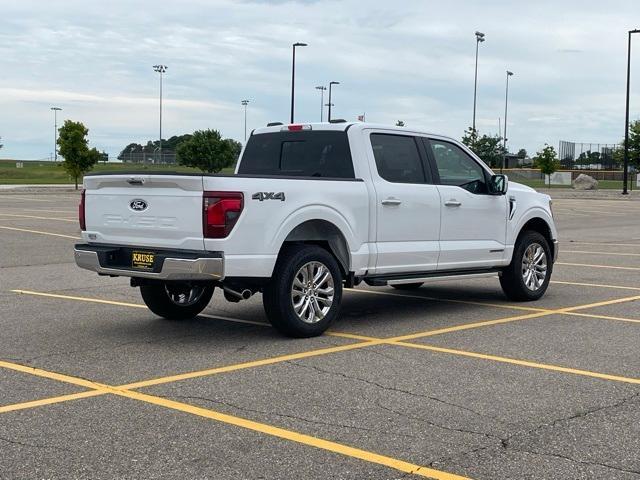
pixel 310 209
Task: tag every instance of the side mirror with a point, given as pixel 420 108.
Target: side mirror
pixel 498 184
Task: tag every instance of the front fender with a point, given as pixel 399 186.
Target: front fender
pixel 529 214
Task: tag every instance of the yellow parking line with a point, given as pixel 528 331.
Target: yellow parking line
pixel 623 254
pixel 270 430
pixel 613 267
pixel 79 299
pixel 70 212
pixel 522 363
pixel 293 436
pixel 450 300
pixel 605 244
pixel 39 232
pixel 604 317
pixel 251 364
pixel 39 218
pixel 51 400
pixel 81 382
pixel 598 304
pixel 571 213
pixel 234 320
pixel 467 326
pixel 597 285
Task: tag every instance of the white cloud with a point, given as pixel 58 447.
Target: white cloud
pixel 411 60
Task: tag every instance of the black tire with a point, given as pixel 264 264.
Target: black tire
pixel 158 297
pixel 512 279
pixel 408 286
pixel 278 296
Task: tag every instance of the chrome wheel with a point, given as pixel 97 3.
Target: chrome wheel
pixel 312 292
pixel 534 266
pixel 184 295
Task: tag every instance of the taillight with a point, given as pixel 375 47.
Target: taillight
pixel 220 212
pixel 81 219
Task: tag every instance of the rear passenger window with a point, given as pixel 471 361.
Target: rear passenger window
pixel 397 158
pixel 298 154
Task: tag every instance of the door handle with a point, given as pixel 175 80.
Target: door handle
pixel 391 201
pixel 452 203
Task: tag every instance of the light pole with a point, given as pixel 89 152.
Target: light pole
pixel 506 103
pixel 330 104
pixel 160 69
pixel 293 74
pixel 322 88
pixel 55 132
pixel 625 174
pixel 245 103
pixel 479 39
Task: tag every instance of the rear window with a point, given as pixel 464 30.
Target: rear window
pixel 298 154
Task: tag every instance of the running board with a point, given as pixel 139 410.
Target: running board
pixel 382 281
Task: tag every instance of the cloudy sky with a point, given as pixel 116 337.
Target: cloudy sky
pixel 409 60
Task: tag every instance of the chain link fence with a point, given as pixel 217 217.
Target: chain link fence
pixel 588 156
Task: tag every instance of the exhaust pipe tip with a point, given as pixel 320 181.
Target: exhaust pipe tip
pixel 235 296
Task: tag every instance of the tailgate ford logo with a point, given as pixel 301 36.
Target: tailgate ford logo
pixel 138 205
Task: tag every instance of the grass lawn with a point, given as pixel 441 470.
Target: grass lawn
pixel 539 183
pixel 38 172
pixel 50 173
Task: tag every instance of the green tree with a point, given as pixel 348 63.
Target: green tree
pixel 399 123
pixel 522 153
pixel 546 160
pixel 634 146
pixel 488 148
pixel 208 151
pixel 1 144
pixel 73 146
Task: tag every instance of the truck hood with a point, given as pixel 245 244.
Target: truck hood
pixel 519 190
pixel 519 187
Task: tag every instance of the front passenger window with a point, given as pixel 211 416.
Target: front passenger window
pixel 455 167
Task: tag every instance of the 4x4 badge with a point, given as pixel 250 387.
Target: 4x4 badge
pixel 268 196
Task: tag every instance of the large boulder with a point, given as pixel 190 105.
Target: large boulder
pixel 585 182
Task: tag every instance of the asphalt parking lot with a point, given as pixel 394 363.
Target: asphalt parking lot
pixel 445 382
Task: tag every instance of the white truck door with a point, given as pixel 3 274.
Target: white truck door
pixel 407 204
pixel 473 225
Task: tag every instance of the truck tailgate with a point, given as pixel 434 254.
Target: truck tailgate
pixel 162 211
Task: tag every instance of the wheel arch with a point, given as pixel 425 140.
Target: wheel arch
pixel 324 234
pixel 540 225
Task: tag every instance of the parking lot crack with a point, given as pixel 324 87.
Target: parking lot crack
pixel 289 416
pixel 30 445
pixel 437 425
pixel 575 460
pixel 396 389
pixel 506 442
pixel 103 348
pixel 574 416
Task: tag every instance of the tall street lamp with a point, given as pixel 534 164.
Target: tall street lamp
pixel 160 69
pixel 330 104
pixel 322 88
pixel 245 103
pixel 625 174
pixel 293 74
pixel 55 131
pixel 479 39
pixel 506 102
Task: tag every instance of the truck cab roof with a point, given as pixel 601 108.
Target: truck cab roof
pixel 342 126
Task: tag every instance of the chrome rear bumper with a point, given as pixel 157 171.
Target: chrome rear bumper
pixel 174 266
